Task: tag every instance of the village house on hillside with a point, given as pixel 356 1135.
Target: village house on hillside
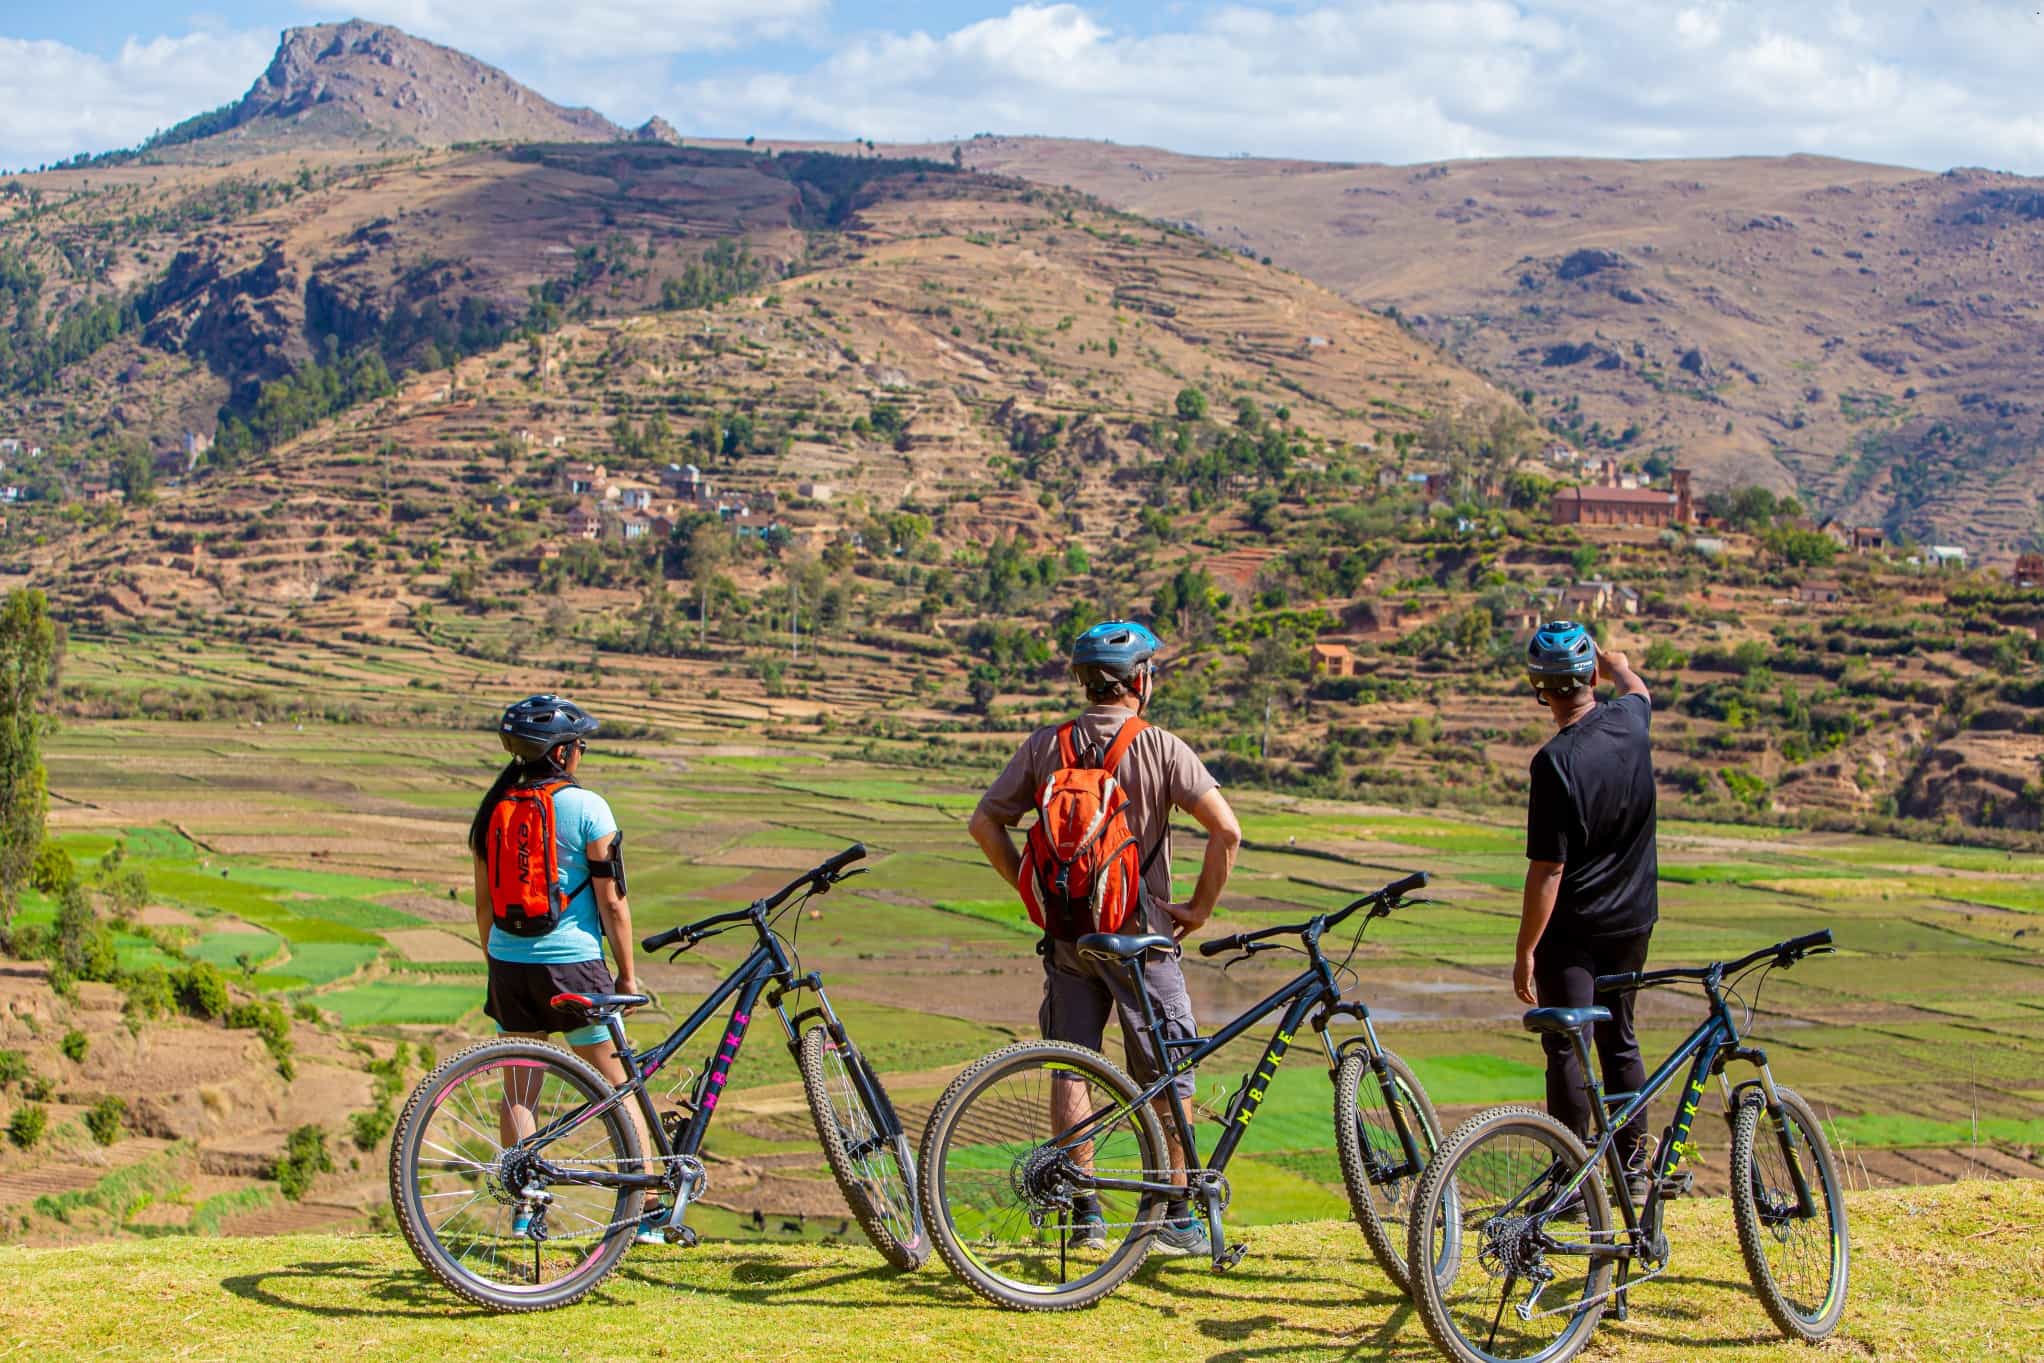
pixel 1948 557
pixel 2028 572
pixel 581 479
pixel 1596 598
pixel 1608 503
pixel 584 522
pixel 1332 660
pixel 1819 593
pixel 686 483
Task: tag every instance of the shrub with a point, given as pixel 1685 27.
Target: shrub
pixel 201 989
pixel 27 1125
pixel 13 1066
pixel 148 993
pixel 105 1119
pixel 52 870
pixel 74 1045
pixel 268 1021
pixel 305 1158
pixel 367 1128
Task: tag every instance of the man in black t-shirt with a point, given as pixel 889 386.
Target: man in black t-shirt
pixel 1590 902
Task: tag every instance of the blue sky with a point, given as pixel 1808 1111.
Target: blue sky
pixel 1930 83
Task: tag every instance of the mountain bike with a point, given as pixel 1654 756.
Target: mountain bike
pixel 1538 1257
pixel 1003 1173
pixel 519 1174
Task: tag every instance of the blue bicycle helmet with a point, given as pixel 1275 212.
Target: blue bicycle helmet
pixel 1561 656
pixel 1113 657
pixel 535 726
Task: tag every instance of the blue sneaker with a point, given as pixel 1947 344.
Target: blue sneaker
pixel 1185 1236
pixel 652 1228
pixel 521 1222
pixel 1089 1233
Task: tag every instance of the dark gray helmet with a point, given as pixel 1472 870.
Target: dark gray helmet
pixel 537 725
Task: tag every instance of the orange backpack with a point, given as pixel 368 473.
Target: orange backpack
pixel 522 861
pixel 1082 869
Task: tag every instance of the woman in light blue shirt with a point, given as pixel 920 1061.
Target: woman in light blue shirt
pixel 546 737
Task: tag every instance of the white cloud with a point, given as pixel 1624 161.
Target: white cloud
pixel 586 30
pixel 60 101
pixel 1410 80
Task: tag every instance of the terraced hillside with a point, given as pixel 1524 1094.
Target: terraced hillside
pixel 1862 335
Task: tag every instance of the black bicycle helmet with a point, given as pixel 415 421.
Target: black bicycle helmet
pixel 1561 656
pixel 537 725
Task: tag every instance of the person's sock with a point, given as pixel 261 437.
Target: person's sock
pixel 1178 1211
pixel 1085 1205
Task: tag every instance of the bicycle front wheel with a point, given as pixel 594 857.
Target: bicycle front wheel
pixel 865 1146
pixel 474 1204
pixel 1381 1180
pixel 1799 1260
pixel 1520 1287
pixel 1003 1176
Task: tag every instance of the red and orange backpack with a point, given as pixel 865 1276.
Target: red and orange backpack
pixel 521 858
pixel 1082 868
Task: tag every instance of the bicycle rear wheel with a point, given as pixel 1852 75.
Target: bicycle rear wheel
pixel 1493 1191
pixel 865 1146
pixel 1799 1264
pixel 998 1189
pixel 483 1218
pixel 1380 1189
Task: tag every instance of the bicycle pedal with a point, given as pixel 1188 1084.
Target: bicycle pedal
pixel 1230 1257
pixel 1620 1308
pixel 685 1236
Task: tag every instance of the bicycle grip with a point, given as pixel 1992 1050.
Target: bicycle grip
pixel 660 939
pixel 856 852
pixel 1219 945
pixel 1609 984
pixel 1416 881
pixel 1799 945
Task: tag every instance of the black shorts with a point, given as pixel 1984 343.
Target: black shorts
pixel 521 997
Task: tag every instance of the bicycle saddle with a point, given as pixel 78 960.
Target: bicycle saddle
pixel 1564 1019
pixel 1120 946
pixel 595 1004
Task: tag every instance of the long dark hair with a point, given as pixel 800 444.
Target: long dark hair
pixel 516 772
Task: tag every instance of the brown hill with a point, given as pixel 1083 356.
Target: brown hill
pixel 360 83
pixel 1863 334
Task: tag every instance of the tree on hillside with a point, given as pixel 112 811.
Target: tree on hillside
pixel 28 659
pixel 709 549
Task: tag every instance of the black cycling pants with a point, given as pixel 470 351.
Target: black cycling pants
pixel 1564 976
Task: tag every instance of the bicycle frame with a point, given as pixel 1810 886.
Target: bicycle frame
pixel 1706 1049
pixel 1313 986
pixel 767 971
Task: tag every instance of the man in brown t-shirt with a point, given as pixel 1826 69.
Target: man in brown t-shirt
pixel 1113 661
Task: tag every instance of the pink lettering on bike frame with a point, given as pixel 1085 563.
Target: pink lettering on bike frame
pixel 720 1067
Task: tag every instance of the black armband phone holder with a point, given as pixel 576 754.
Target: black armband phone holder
pixel 613 867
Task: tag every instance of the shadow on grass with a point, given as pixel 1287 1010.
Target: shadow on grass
pixel 380 1291
pixel 761 1280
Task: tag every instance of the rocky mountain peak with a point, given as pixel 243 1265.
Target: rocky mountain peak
pixel 373 78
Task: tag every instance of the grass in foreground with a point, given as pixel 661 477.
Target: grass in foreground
pixel 1944 1273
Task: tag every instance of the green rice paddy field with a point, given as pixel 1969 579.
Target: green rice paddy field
pixel 326 864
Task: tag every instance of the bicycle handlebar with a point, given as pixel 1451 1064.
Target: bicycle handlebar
pixel 819 876
pixel 1383 898
pixel 1785 953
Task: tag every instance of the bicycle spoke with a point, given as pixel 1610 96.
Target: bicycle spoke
pixel 1490 1261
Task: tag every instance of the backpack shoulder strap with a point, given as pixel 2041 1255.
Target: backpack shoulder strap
pixel 1124 739
pixel 1068 754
